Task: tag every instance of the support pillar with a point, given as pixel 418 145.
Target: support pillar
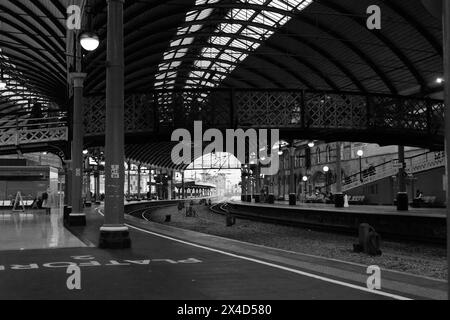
pixel 248 188
pixel 97 188
pixel 77 217
pixel 339 196
pixel 271 199
pixel 129 179
pixel 88 190
pixel 183 188
pixel 292 194
pixel 446 28
pixel 114 233
pixel 257 184
pixel 150 183
pixel 67 183
pixel 402 196
pixel 243 186
pixel 139 182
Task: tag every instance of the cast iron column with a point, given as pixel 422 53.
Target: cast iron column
pixel 77 217
pixel 129 179
pixel 257 184
pixel 150 182
pixel 67 183
pixel 139 182
pixel 114 233
pixel 183 189
pixel 97 187
pixel 446 11
pixel 292 195
pixel 402 196
pixel 339 196
pixel 88 202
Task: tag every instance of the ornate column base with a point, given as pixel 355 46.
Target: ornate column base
pixel 77 220
pixel 114 238
pixel 257 198
pixel 292 199
pixel 402 201
pixel 339 200
pixel 249 198
pixel 67 211
pixel 271 198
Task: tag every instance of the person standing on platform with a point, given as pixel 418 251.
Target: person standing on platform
pixel 47 200
pixel 346 204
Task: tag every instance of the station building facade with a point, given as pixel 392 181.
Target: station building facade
pixel 376 169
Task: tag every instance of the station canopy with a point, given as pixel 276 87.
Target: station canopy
pixel 182 44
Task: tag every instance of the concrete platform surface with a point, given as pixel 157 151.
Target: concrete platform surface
pixel 175 264
pixel 35 230
pixel 368 209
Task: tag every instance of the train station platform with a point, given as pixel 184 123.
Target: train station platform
pixel 417 224
pixel 369 209
pixel 35 230
pixel 174 264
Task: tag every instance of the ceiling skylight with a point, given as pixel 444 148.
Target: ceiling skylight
pixel 243 29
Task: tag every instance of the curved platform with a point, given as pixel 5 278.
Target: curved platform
pixel 175 264
pixel 427 225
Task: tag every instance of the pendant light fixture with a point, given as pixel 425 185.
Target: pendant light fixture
pixel 88 39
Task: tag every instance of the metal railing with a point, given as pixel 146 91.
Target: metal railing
pixel 15 132
pixel 414 164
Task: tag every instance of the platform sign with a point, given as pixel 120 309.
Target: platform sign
pixel 115 171
pixel 397 165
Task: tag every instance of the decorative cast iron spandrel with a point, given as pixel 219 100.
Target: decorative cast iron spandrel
pixel 94 115
pixel 268 109
pixel 323 110
pixel 139 113
pixel 217 110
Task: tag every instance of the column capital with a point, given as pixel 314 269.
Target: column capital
pixel 77 79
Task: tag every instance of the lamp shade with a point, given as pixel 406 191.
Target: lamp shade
pixel 89 41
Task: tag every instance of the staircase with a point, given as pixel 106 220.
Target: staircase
pixel 416 164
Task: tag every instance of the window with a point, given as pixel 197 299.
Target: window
pixel 328 154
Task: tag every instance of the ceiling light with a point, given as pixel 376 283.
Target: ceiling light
pixel 89 41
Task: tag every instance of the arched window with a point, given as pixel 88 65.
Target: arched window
pixel 328 154
pixel 318 160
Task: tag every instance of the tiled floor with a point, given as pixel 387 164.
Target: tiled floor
pixel 35 230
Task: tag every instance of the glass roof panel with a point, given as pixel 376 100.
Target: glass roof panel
pixel 231 42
